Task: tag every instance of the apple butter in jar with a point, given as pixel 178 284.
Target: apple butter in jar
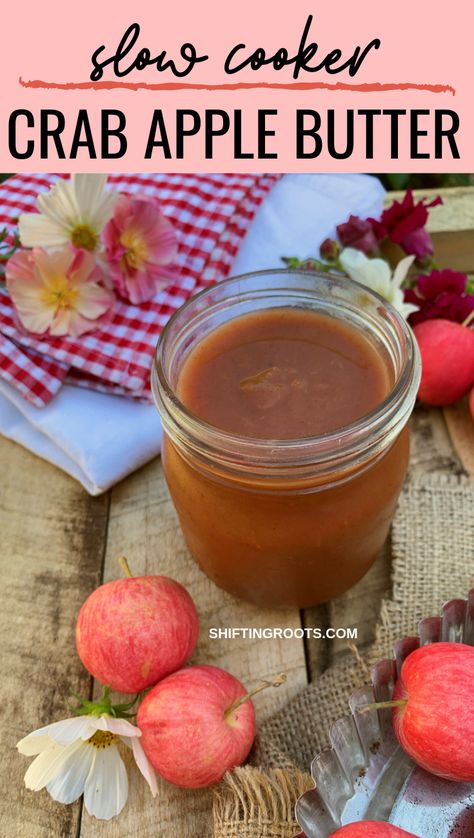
pixel 285 398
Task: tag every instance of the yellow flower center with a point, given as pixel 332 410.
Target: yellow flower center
pixel 84 237
pixel 136 249
pixel 102 739
pixel 60 294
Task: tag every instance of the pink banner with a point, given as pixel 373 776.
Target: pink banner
pixel 252 86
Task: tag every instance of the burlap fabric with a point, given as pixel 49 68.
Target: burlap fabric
pixel 253 802
pixel 432 561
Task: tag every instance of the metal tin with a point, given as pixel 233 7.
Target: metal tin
pixel 365 775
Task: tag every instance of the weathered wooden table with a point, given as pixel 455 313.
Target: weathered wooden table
pixel 57 544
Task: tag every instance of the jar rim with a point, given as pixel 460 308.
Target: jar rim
pixel 345 443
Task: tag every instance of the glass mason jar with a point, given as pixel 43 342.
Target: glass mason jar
pixel 291 522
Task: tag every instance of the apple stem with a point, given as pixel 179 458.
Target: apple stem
pixel 469 319
pixel 125 567
pixel 277 682
pixel 382 705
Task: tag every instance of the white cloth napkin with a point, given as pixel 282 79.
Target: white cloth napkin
pixel 98 438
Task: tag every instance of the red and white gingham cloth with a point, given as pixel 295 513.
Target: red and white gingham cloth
pixel 211 214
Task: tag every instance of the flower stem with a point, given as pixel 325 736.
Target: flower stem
pixel 125 567
pixel 382 705
pixel 469 319
pixel 277 682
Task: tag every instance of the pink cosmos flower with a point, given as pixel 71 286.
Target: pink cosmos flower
pixel 140 245
pixel 404 222
pixel 440 294
pixel 57 293
pixel 357 233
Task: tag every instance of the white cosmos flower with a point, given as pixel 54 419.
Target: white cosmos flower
pixel 73 211
pixel 376 274
pixel 80 756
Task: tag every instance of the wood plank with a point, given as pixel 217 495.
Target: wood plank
pixel 460 424
pixel 52 543
pixel 143 526
pixel 455 250
pixel 318 652
pixel 431 446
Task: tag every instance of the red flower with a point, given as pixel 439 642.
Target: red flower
pixel 403 223
pixel 440 294
pixel 357 233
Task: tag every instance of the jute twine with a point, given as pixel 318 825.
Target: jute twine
pixel 432 561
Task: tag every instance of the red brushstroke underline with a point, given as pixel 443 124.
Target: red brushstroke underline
pixel 375 87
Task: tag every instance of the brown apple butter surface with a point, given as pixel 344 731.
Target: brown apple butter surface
pixel 283 373
pixel 285 537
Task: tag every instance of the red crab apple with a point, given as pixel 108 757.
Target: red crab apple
pixel 447 361
pixel 434 721
pixel 195 726
pixel 132 632
pixel 371 829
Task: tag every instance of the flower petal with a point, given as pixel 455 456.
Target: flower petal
pixel 48 764
pixel 398 302
pixel 68 730
pixel 40 231
pixel 406 309
pixel 96 206
pixel 163 244
pixel 400 272
pixel 34 744
pixel 22 277
pixel 140 288
pixel 93 301
pixel 119 726
pixel 373 273
pixel 61 323
pixel 106 788
pixel 82 266
pixel 50 266
pixel 59 204
pixel 144 765
pixel 25 288
pixel 352 259
pixel 69 322
pixel 69 782
pixel 21 265
pixel 419 243
pixel 432 284
pixel 88 189
pixel 34 317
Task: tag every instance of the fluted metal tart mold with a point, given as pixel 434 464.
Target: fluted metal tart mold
pixel 365 775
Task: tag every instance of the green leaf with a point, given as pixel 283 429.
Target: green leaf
pixel 291 261
pixel 395 180
pixel 104 706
